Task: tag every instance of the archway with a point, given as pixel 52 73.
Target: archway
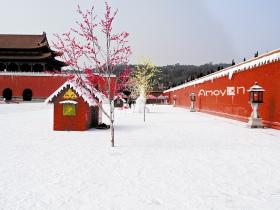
pixel 27 95
pixel 7 94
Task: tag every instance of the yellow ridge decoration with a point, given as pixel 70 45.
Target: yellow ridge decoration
pixel 70 94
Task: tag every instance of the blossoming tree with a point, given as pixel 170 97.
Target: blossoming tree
pixel 93 51
pixel 143 79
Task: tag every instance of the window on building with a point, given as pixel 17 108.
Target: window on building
pixel 69 109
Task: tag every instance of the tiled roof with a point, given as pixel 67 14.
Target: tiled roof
pixel 16 41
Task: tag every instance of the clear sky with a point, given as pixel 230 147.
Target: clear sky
pixel 167 31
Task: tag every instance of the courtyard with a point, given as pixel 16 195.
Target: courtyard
pixel 175 160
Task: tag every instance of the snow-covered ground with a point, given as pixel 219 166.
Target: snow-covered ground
pixel 175 160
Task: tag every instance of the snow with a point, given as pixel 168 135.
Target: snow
pixel 175 160
pixel 119 97
pixel 68 102
pixel 81 91
pixel 140 105
pixel 273 56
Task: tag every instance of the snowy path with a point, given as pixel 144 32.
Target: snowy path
pixel 176 160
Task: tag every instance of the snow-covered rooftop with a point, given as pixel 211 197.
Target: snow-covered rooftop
pixel 266 58
pixel 119 97
pixel 84 90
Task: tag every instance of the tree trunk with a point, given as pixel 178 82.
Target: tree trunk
pixel 112 134
pixel 144 111
pixel 112 124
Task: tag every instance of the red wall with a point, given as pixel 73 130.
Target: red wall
pixel 237 106
pixel 41 86
pixel 103 86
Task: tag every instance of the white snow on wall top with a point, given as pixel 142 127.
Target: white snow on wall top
pixel 81 91
pixel 33 74
pixel 266 58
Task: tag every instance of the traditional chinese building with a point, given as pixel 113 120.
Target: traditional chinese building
pixel 29 69
pixel 27 53
pixel 225 93
pixel 75 108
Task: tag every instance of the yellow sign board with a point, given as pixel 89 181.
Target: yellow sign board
pixel 70 94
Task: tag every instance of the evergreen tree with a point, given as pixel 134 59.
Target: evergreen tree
pixel 257 54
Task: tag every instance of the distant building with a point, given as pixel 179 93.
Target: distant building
pixel 119 101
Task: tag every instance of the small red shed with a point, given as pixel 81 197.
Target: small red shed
pixel 75 109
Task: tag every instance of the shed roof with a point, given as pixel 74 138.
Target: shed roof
pixel 83 91
pixel 119 97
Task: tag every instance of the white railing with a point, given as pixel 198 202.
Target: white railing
pixel 17 73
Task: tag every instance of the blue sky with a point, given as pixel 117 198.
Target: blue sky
pixel 168 32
